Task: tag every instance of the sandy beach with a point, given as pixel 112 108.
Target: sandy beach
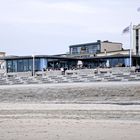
pixel 52 129
pixel 80 111
pixel 83 93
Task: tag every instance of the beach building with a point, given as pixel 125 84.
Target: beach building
pixel 92 55
pixel 95 48
pixel 38 63
pixel 136 39
pixel 101 54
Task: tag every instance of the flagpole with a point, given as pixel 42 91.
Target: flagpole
pixel 131 29
pixel 126 30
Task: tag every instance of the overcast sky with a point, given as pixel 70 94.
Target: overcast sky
pixel 49 26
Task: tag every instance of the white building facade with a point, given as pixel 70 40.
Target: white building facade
pixel 136 40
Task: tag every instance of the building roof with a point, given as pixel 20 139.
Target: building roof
pixel 106 41
pixel 83 44
pixel 36 56
pixel 69 57
pixel 93 43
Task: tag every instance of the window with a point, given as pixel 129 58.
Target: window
pixel 14 65
pixel 137 32
pixel 26 65
pixel 74 50
pixel 9 66
pixel 30 64
pixel 20 65
pixel 83 49
pixel 37 64
pixel 92 49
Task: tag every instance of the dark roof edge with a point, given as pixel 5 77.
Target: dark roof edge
pixel 36 56
pixel 84 44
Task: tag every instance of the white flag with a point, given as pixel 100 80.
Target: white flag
pixel 126 30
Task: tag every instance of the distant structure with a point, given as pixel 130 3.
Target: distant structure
pixel 136 39
pixel 96 47
pixel 101 54
pixel 86 55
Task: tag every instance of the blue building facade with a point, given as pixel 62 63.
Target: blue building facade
pixel 40 63
pixel 25 64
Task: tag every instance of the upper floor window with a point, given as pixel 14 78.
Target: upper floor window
pixel 137 32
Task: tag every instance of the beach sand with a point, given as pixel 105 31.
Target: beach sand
pixel 82 111
pixel 54 129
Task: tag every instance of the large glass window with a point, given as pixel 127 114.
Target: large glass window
pixel 37 64
pixel 121 61
pixel 127 62
pixel 43 63
pixel 26 65
pixel 117 62
pixel 30 64
pixel 74 50
pixel 113 62
pixel 20 65
pixel 14 65
pixel 92 49
pixel 9 66
pixel 83 50
pixel 86 48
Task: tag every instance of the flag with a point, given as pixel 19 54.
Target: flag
pixel 138 9
pixel 126 30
